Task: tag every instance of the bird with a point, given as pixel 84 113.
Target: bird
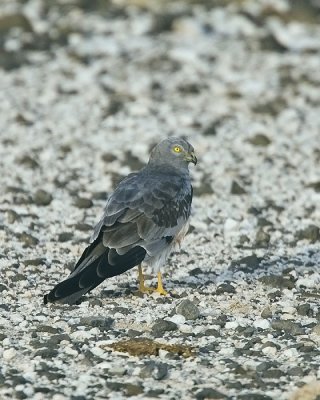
pixel 145 217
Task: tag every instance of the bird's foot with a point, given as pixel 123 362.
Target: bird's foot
pixel 146 289
pixel 161 291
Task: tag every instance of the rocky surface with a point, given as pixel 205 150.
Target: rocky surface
pixel 86 89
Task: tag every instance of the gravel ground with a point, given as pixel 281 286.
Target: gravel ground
pixel 86 89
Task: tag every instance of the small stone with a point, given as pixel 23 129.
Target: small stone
pixel 209 393
pixel 35 261
pixel 270 344
pixel 273 374
pixel 132 333
pixel 28 239
pixel 316 330
pixel 9 354
pixel 295 371
pixel 246 264
pixel 83 227
pixel 65 236
pixel 260 140
pixel 277 281
pixel 287 326
pixel 42 198
pixel 253 396
pixel 12 216
pixel 154 370
pixel 162 326
pixel 132 389
pixel 304 309
pixel 237 189
pixel 315 186
pixel 212 332
pixel 82 202
pixel 46 353
pixel 97 322
pixel 225 288
pixel 311 233
pixel 28 161
pixel 266 313
pixel 262 239
pixel 108 157
pixel 188 309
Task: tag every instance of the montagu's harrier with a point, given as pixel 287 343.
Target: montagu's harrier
pixel 144 218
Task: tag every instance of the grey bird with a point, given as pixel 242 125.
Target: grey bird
pixel 145 216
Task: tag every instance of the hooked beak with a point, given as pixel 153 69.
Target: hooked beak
pixel 191 157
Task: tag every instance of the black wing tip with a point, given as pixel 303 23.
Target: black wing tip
pixel 45 299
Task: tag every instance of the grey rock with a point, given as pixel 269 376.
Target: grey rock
pixel 83 227
pixel 262 239
pixel 108 157
pixel 270 344
pixel 311 233
pixel 65 236
pixel 48 329
pixel 237 189
pixel 265 365
pixel 209 393
pixel 27 239
pixel 97 322
pixel 315 186
pixel 304 309
pixel 56 339
pixel 225 288
pixel 246 264
pixel 161 326
pixel 254 396
pixel 28 162
pixel 188 309
pixel 287 326
pixel 156 370
pixel 12 216
pixel 212 332
pixel 266 313
pixel 82 202
pixel 277 281
pixel 35 261
pixel 132 333
pixel 46 353
pixel 260 140
pixel 42 198
pixel 295 371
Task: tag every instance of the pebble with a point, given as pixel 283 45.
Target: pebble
pixel 188 310
pixel 9 354
pixel 261 323
pixel 162 326
pixel 42 198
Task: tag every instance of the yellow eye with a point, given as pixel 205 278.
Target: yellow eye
pixel 177 149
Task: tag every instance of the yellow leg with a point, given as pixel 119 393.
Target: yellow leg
pixel 146 289
pixel 160 288
pixel 142 287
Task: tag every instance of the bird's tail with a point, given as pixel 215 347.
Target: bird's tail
pixel 95 265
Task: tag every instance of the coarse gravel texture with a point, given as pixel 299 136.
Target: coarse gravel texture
pixel 86 89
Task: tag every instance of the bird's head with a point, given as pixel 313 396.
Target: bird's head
pixel 173 151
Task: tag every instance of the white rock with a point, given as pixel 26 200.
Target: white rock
pixel 185 328
pixel 177 319
pixel 261 323
pixel 231 325
pixel 269 351
pixel 9 354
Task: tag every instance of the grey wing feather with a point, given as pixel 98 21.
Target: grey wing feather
pixel 140 212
